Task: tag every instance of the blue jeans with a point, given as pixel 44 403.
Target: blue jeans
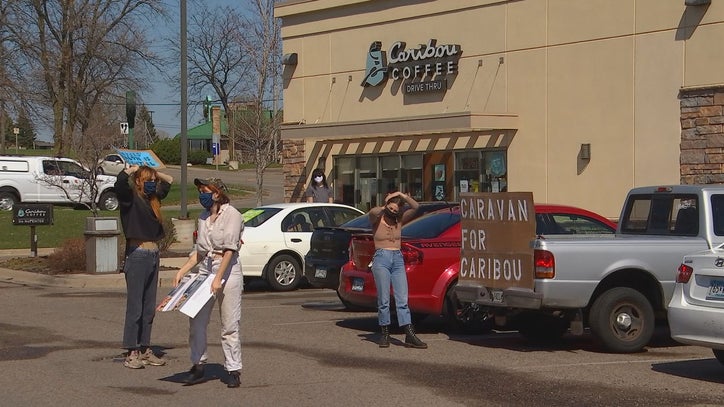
pixel 141 270
pixel 388 267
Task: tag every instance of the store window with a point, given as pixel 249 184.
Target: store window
pixel 412 175
pixel 366 183
pixel 344 180
pixel 390 175
pixel 357 183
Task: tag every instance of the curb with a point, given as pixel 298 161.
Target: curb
pixel 86 280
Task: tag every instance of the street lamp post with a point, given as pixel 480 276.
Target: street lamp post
pixel 16 131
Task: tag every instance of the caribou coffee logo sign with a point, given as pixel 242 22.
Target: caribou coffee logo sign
pixel 423 69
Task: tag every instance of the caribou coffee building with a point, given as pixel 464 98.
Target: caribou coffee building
pixel 576 101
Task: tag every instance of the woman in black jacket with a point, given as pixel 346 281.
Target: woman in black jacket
pixel 140 191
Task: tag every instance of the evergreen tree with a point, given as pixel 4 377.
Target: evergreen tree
pixel 145 128
pixel 27 135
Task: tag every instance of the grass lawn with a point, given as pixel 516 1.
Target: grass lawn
pixel 67 223
pixel 70 223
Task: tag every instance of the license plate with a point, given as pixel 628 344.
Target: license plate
pixel 497 295
pixel 320 272
pixel 358 284
pixel 716 290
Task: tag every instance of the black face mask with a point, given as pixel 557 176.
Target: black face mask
pixel 391 214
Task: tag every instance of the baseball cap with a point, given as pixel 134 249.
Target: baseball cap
pixel 214 182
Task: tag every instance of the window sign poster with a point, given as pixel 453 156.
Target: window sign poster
pixel 463 185
pixel 438 191
pixel 439 172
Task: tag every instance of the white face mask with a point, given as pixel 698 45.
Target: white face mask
pixel 318 179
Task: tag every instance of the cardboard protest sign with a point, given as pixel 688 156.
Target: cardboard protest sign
pixel 141 157
pixel 497 229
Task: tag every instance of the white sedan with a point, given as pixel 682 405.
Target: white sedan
pixel 276 238
pixel 696 311
pixel 111 164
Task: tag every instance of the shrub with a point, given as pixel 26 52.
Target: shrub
pixel 69 257
pixel 199 157
pixel 168 150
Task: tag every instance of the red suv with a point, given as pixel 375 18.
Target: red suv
pixel 431 249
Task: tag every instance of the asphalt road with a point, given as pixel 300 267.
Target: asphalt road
pixel 60 346
pixel 271 187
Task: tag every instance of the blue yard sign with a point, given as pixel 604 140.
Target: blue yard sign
pixel 141 157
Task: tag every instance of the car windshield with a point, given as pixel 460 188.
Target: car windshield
pixel 431 225
pixel 257 216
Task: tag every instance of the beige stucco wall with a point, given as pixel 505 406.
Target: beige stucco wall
pixel 604 72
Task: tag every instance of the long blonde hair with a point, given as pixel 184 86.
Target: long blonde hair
pixel 145 173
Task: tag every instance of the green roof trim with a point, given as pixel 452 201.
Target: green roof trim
pixel 203 131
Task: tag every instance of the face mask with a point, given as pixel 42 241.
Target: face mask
pixel 390 213
pixel 206 199
pixel 149 188
pixel 318 179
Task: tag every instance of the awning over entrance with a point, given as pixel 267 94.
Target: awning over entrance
pixel 420 134
pixel 419 125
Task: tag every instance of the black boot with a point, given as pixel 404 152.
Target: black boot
pixel 411 340
pixel 195 375
pixel 385 339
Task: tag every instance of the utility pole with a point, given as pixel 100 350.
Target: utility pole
pixel 16 131
pixel 184 109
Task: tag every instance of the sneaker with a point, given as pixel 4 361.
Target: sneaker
pixel 148 358
pixel 234 379
pixel 133 360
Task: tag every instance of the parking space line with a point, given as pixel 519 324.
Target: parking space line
pixel 308 322
pixel 617 362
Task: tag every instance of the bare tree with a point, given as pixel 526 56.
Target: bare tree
pixel 217 62
pixel 82 53
pixel 259 125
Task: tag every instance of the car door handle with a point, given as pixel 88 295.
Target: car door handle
pixel 296 240
pixel 65 181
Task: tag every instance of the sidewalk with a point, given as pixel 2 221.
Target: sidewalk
pixel 86 280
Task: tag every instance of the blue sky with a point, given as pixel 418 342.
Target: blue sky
pixel 162 99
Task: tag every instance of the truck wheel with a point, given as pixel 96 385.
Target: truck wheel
pixel 7 200
pixel 719 355
pixel 542 328
pixel 108 201
pixel 284 273
pixel 622 320
pixel 468 318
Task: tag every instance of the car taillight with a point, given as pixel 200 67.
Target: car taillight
pixel 545 264
pixel 410 254
pixel 684 274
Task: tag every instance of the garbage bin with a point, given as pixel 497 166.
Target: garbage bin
pixel 101 244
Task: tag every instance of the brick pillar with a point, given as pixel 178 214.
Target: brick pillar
pixel 293 166
pixel 702 140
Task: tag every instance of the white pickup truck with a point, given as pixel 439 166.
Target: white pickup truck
pixel 617 285
pixel 52 180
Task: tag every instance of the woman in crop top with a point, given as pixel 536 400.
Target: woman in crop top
pixel 388 266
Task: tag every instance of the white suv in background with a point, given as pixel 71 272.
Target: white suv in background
pixel 51 180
